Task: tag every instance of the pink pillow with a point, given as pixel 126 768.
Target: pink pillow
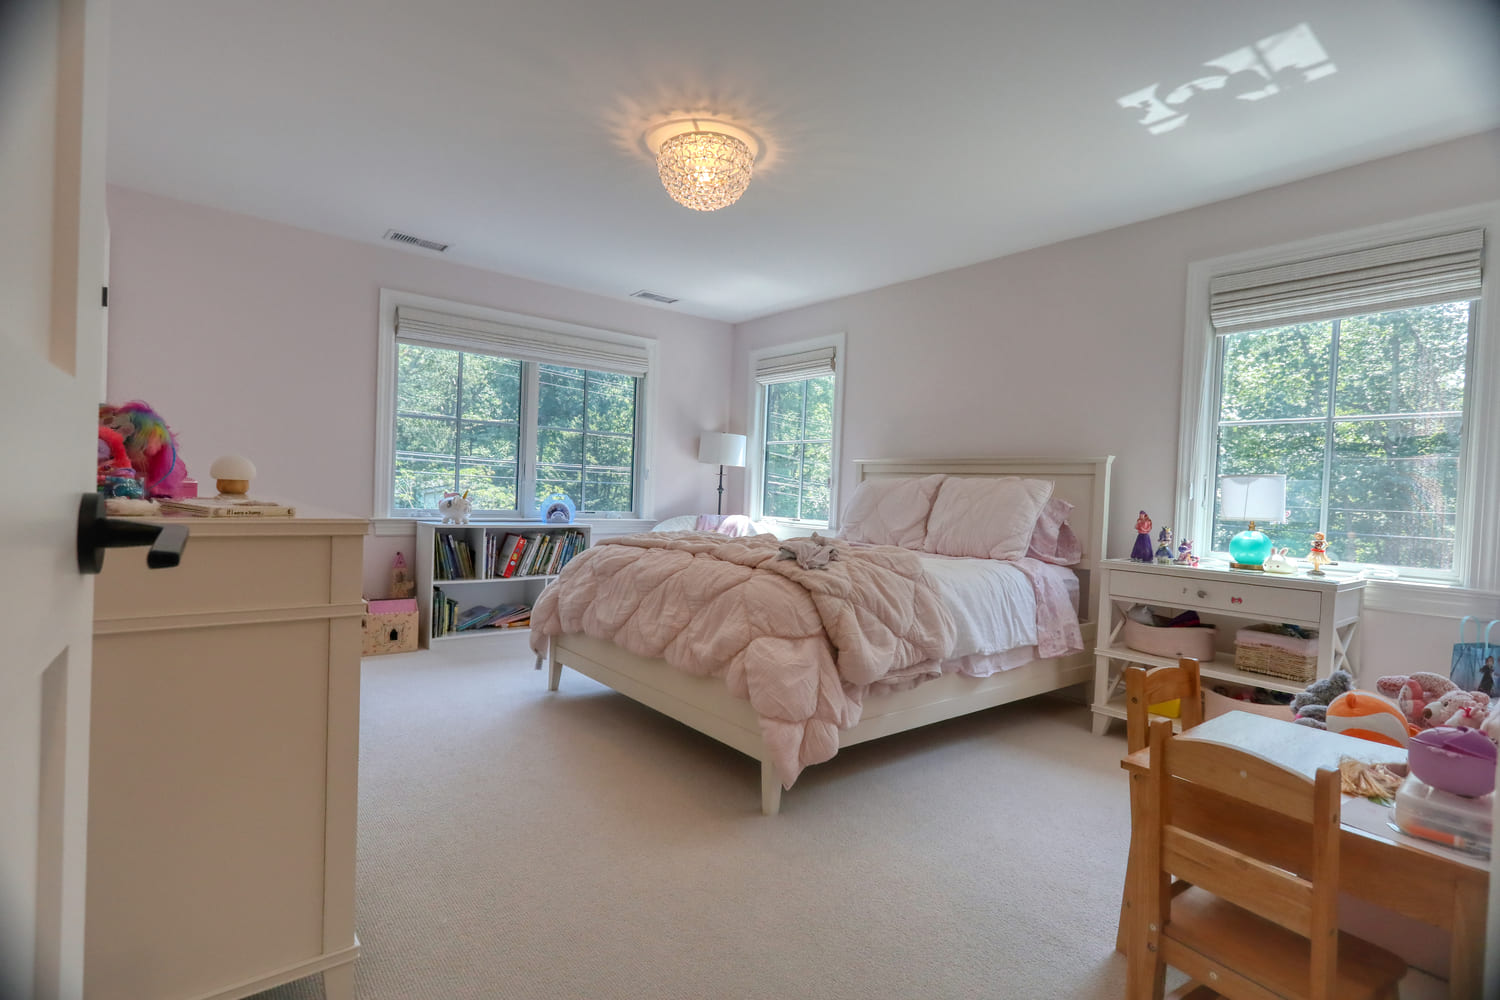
pixel 891 511
pixel 986 518
pixel 1053 540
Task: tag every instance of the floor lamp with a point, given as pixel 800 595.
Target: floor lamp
pixel 722 450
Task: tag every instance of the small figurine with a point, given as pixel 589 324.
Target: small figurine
pixel 1319 554
pixel 402 585
pixel 1164 547
pixel 1185 555
pixel 1142 550
pixel 1278 562
pixel 455 507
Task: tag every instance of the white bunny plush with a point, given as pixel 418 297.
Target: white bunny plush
pixel 1277 562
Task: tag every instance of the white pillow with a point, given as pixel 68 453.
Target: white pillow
pixel 891 511
pixel 986 518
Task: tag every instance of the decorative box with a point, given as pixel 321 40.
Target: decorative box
pixel 390 627
pixel 1197 643
pixel 1277 651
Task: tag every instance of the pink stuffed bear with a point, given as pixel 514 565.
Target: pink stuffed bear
pixel 1413 693
pixel 1465 709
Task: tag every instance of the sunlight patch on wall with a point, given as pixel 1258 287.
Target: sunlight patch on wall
pixel 1249 73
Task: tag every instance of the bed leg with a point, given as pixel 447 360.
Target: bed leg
pixel 554 673
pixel 770 789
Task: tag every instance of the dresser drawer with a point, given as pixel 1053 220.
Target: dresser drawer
pixel 1252 600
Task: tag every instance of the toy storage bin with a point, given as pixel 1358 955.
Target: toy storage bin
pixel 390 627
pixel 1194 642
pixel 1436 815
pixel 1277 651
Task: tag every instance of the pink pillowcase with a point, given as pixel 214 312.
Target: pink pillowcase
pixel 1052 540
pixel 891 511
pixel 986 518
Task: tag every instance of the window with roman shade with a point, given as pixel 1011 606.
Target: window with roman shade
pixel 511 413
pixel 1352 374
pixel 796 421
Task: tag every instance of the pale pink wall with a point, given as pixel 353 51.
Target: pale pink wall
pixel 255 337
pixel 1076 348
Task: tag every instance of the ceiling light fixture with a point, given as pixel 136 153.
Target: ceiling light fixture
pixel 704 164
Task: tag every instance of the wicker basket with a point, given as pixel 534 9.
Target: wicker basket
pixel 1277 651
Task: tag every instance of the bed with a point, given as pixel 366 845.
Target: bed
pixel 705 703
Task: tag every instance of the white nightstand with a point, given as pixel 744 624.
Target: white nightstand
pixel 1234 596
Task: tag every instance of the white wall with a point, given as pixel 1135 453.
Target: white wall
pixel 259 338
pixel 1076 348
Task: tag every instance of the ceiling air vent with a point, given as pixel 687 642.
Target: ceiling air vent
pixel 414 241
pixel 665 300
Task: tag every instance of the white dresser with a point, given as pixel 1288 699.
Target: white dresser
pixel 223 763
pixel 1232 598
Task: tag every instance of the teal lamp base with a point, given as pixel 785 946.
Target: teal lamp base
pixel 1249 549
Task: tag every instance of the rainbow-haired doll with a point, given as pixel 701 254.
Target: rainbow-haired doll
pixel 150 443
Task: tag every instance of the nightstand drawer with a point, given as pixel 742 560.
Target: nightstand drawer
pixel 1252 600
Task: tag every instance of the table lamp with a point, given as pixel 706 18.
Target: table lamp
pixel 1251 498
pixel 722 450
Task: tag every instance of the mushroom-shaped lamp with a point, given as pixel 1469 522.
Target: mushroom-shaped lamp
pixel 233 473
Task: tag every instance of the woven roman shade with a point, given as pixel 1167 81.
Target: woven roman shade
pixel 426 328
pixel 794 367
pixel 1396 276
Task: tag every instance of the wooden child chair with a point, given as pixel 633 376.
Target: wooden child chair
pixel 1143 687
pixel 1245 928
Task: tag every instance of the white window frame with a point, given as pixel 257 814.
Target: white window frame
pixel 1477 551
pixel 755 455
pixel 385 403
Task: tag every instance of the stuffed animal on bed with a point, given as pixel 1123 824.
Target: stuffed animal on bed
pixel 150 443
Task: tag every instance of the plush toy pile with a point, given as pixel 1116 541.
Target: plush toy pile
pixel 149 444
pixel 1401 706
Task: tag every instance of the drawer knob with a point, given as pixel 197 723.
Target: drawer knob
pixel 1202 594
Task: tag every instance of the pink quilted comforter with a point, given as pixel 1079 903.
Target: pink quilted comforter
pixel 801 645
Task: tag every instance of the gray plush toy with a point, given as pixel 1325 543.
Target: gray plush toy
pixel 1311 706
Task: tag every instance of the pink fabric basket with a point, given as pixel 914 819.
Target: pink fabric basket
pixel 1197 643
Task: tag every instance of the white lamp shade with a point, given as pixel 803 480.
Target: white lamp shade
pixel 722 449
pixel 1252 498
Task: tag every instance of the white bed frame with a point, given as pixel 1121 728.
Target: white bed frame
pixel 705 704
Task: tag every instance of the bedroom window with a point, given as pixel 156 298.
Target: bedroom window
pixel 1354 375
pixel 796 418
pixel 510 414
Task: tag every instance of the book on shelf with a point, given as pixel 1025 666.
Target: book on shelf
pixel 516 555
pixel 503 564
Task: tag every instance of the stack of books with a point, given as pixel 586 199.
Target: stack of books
pixel 500 616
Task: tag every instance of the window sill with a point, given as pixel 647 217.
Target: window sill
pixel 1432 599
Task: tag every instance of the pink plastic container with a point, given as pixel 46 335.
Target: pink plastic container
pixel 1461 761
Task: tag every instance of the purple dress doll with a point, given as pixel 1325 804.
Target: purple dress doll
pixel 1142 552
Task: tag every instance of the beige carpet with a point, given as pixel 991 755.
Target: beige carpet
pixel 519 844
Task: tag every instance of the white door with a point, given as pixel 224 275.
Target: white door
pixel 52 261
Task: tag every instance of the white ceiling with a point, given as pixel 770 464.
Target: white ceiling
pixel 902 138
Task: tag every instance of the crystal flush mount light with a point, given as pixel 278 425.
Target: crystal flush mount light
pixel 704 164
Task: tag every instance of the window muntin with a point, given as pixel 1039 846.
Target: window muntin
pixel 461 425
pixel 1364 415
pixel 797 470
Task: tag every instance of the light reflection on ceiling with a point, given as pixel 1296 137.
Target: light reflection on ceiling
pixel 1249 73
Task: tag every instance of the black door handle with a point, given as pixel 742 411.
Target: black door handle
pixel 97 533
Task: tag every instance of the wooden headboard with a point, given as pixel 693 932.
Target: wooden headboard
pixel 1083 482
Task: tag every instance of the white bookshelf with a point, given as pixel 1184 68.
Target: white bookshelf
pixel 486 587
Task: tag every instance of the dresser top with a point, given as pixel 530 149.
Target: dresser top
pixel 1299 580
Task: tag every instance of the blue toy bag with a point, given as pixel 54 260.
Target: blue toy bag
pixel 1474 662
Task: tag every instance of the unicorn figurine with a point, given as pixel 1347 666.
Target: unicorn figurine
pixel 1164 546
pixel 455 507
